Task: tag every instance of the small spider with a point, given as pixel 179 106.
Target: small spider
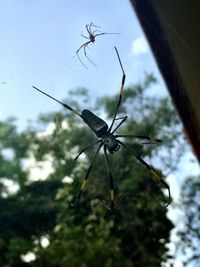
pixel 91 37
pixel 109 141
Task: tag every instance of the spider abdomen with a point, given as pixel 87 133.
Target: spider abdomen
pixel 96 124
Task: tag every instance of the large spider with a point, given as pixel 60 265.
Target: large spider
pixel 108 140
pixel 91 39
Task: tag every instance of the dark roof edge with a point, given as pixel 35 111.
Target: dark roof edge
pixel 150 23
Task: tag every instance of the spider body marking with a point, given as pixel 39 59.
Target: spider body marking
pixel 100 128
pixel 109 141
pixel 96 124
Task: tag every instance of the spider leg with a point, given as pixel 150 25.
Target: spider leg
pixel 157 177
pixel 150 169
pixel 123 119
pixel 85 36
pixel 63 104
pixel 84 48
pixel 77 198
pixel 77 52
pixel 92 25
pixel 96 26
pixel 112 195
pixel 152 140
pixel 121 90
pixel 102 33
pixel 96 31
pixel 83 150
pixel 89 26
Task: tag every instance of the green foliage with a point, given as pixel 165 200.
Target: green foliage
pixel 16 144
pixel 135 234
pixel 24 218
pixel 190 234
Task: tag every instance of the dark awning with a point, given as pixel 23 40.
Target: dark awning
pixel 173 31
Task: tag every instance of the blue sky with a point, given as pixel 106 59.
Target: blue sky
pixel 38 47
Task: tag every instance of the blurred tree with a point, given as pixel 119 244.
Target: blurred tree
pixel 136 233
pixel 24 215
pixel 190 233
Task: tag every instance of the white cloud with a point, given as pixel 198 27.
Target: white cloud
pixel 39 170
pixel 67 180
pixel 44 241
pixel 49 130
pixel 140 46
pixel 28 257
